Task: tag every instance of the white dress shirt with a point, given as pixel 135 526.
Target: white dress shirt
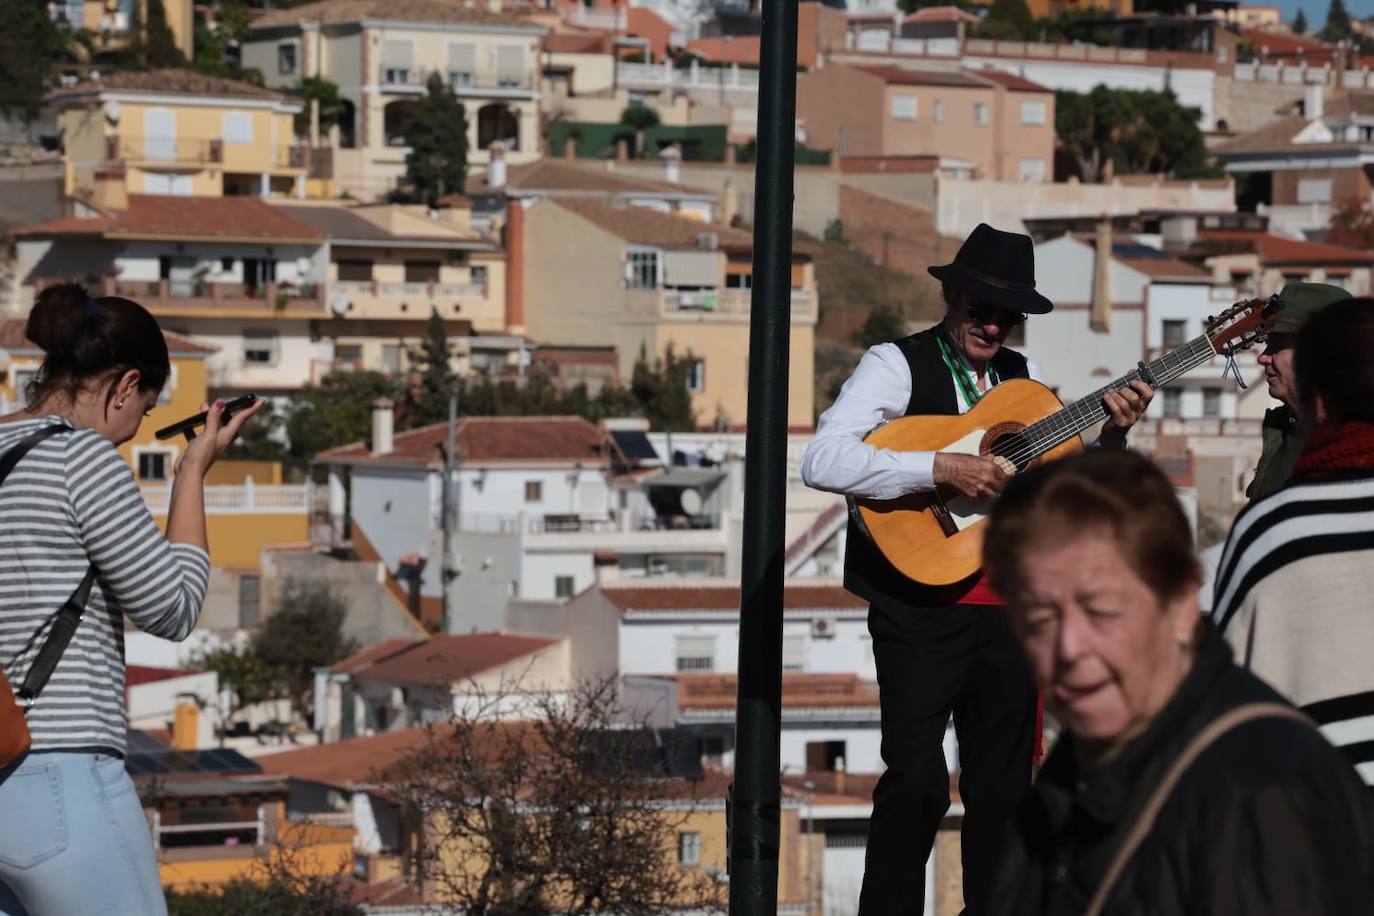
pixel 838 460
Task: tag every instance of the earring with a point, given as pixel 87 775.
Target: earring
pixel 119 405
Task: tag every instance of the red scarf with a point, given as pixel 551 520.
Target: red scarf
pixel 1333 448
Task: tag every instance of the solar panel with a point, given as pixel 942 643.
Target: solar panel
pixel 634 445
pixel 1136 250
pixel 217 760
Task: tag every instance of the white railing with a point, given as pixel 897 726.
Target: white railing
pixel 587 18
pixel 553 523
pixel 246 499
pixel 399 290
pixel 677 14
pixel 667 76
pixel 460 290
pixel 402 289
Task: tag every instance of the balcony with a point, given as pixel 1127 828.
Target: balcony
pixel 732 302
pixel 172 151
pixel 490 83
pixel 627 534
pixel 200 299
pixel 666 76
pixel 392 295
pixel 237 499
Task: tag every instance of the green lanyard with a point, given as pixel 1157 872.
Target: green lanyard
pixel 962 375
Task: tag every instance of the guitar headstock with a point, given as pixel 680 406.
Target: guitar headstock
pixel 1243 325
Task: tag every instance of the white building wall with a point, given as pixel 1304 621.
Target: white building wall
pixel 648 646
pixel 1194 88
pixel 391 506
pixel 501 492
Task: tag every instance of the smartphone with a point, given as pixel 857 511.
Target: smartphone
pixel 190 423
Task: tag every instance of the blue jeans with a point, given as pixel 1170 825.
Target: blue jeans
pixel 74 841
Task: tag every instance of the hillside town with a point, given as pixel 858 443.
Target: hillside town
pixel 489 263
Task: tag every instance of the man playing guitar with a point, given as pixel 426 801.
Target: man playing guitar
pixel 942 651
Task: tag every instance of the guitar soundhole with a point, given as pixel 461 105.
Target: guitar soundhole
pixel 997 434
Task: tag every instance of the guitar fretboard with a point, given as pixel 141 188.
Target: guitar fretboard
pixel 1040 437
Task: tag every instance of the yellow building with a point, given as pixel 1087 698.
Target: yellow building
pixel 110 23
pixel 598 273
pixel 180 132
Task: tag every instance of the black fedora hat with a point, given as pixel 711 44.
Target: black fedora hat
pixel 998 268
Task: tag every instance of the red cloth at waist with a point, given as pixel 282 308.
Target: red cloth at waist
pixel 981 593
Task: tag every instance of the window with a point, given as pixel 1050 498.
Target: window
pixel 1031 170
pixel 794 652
pixel 153 465
pixel 260 348
pixel 937 112
pixel 348 356
pixel 689 849
pixel 226 265
pixel 174 185
pixel 1173 403
pixel 904 107
pixel 641 270
pixel 1174 332
pixel 739 281
pixel 355 270
pixel 980 113
pixel 391 358
pixel 249 586
pixel 534 491
pixel 462 64
pixel 1032 113
pixel 422 271
pixel 562 586
pixel 286 58
pixel 398 59
pixel 1211 402
pixel 824 756
pixel 479 275
pixel 695 653
pixel 1314 191
pixel 238 127
pixel 696 376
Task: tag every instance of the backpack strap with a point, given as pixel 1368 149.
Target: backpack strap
pixel 1145 821
pixel 68 618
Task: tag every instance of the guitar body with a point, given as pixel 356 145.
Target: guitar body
pixel 935 547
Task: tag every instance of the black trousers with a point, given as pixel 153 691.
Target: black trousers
pixel 934 662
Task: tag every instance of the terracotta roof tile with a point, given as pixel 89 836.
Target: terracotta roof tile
pixel 941 14
pixel 184 218
pixel 1276 136
pixel 1282 44
pixel 491 439
pixel 179 82
pixel 342 763
pixel 555 175
pixel 579 43
pixel 723 598
pixel 445 659
pixel 1278 249
pixel 1167 269
pixel 644 226
pixel 1012 81
pixel 372 655
pixel 903 77
pixel 429 11
pixel 799 691
pixel 12 338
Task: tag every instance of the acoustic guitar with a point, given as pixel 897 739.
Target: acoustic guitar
pixel 936 538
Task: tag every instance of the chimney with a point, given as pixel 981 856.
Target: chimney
pixel 111 191
pixel 515 267
pixel 672 164
pixel 1100 317
pixel 383 423
pixel 496 171
pixel 185 725
pixel 729 203
pixel 1312 101
pixel 606 566
pixel 569 147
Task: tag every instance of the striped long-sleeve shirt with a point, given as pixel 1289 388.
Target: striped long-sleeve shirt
pixel 70 502
pixel 1295 597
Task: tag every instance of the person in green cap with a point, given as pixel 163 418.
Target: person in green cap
pixel 1282 430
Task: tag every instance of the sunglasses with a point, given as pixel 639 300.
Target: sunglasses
pixel 985 313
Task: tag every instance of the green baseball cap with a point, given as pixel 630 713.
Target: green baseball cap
pixel 1303 300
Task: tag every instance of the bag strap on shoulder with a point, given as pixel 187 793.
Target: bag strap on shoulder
pixel 68 618
pixel 1145 822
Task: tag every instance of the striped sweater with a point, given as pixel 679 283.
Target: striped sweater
pixel 71 501
pixel 1295 597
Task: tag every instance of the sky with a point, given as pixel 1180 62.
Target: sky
pixel 1316 9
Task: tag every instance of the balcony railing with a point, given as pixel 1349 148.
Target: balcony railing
pixel 247 499
pixel 729 301
pixel 413 79
pixel 666 76
pixel 572 523
pixel 176 150
pixel 428 290
pixel 198 294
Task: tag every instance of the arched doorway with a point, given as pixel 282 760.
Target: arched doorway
pixel 498 121
pixel 396 120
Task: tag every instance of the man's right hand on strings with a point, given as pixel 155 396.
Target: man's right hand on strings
pixel 974 476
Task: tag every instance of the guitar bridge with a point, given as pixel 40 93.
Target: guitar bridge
pixel 941 513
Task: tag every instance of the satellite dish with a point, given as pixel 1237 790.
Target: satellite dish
pixel 339 304
pixel 691 502
pixel 112 111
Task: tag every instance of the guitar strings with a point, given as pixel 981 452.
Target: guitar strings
pixel 1048 432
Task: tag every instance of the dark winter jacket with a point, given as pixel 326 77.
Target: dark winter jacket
pixel 1270 821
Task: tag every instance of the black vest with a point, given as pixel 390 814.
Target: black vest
pixel 866 571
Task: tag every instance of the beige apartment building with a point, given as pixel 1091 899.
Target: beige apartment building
pixel 182 133
pixel 381 53
pixel 596 273
pixel 998 124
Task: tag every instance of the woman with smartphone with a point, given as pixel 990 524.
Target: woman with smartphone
pixel 73 838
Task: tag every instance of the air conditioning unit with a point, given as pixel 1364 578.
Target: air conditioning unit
pixel 822 628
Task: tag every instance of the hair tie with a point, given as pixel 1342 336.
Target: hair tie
pixel 91 308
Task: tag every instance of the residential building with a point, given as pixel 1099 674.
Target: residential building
pixel 111 24
pixel 179 132
pixel 602 181
pixel 1301 167
pixel 233 273
pixel 401 683
pixel 1260 262
pixel 1001 124
pixel 381 53
pixel 647 281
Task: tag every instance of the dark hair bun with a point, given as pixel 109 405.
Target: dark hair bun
pixel 58 315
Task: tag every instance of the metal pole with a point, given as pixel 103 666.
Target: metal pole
pixel 446 514
pixel 756 793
